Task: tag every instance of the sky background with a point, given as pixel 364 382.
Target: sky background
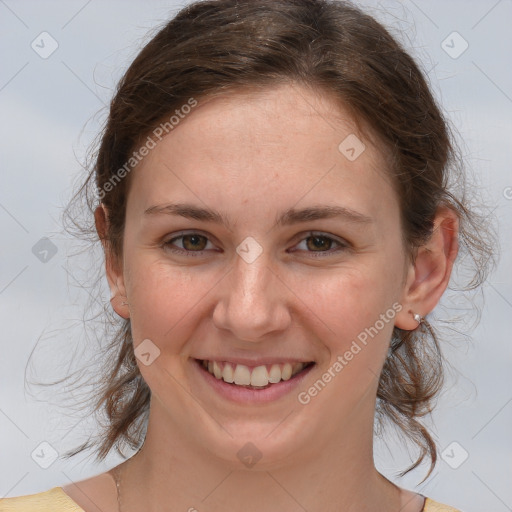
pixel 51 108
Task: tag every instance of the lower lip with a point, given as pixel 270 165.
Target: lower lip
pixel 245 395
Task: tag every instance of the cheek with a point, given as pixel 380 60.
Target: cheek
pixel 165 304
pixel 349 300
pixel 355 309
pixel 162 298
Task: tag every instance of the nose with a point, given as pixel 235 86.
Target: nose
pixel 254 301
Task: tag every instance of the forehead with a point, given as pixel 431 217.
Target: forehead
pixel 275 147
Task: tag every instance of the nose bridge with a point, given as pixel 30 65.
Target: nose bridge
pixel 251 281
pixel 253 302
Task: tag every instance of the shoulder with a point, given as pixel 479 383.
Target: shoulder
pixel 53 500
pixel 434 506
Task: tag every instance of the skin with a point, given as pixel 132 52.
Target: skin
pixel 250 156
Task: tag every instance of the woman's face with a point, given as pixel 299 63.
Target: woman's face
pixel 238 277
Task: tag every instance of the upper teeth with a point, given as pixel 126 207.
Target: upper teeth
pixel 259 376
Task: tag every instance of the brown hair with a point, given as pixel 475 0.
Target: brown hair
pixel 217 46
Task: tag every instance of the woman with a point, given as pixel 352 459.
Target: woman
pixel 271 196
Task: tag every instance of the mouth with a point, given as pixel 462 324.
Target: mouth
pixel 254 377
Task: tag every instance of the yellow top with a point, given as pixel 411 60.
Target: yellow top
pixel 56 500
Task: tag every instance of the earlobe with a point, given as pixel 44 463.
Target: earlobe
pixel 409 320
pixel 120 306
pixel 114 274
pixel 430 274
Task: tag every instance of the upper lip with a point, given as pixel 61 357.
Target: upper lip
pixel 255 362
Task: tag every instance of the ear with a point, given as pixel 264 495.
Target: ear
pixel 113 268
pixel 429 275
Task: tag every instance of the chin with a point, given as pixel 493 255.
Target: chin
pixel 257 446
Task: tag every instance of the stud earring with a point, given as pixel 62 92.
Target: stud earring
pixel 418 318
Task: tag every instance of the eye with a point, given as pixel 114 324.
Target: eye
pixel 321 243
pixel 191 243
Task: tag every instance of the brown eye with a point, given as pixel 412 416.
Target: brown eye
pixel 322 245
pixel 190 243
pixel 319 242
pixel 194 242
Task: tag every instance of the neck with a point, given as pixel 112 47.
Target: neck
pixel 170 469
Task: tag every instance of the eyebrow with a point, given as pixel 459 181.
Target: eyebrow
pixel 287 218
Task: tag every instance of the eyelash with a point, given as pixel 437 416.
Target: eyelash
pixel 316 254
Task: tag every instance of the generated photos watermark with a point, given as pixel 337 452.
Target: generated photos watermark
pixel 152 140
pixel 305 397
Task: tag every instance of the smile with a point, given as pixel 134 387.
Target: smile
pixel 259 377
